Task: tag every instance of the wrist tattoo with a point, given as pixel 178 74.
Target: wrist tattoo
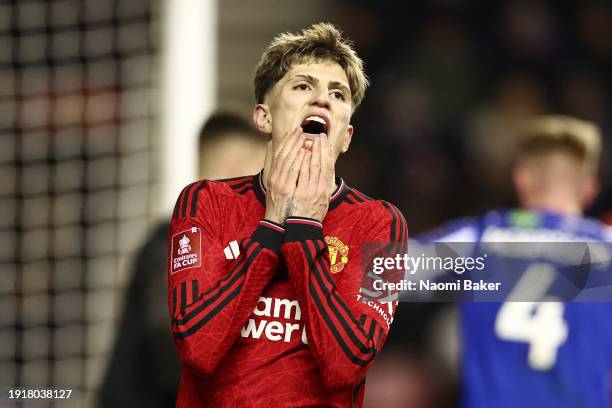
pixel 289 208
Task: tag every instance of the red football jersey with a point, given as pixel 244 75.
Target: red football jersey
pixel 264 314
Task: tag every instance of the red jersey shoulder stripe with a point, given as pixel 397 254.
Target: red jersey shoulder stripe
pixel 240 185
pixel 359 194
pixel 181 199
pixel 349 199
pixel 194 199
pixel 398 233
pixel 398 223
pixel 185 202
pixel 354 196
pixel 235 180
pixel 188 199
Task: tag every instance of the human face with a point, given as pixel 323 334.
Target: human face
pixel 318 89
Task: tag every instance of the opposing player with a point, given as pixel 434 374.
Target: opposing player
pixel 264 270
pixel 539 354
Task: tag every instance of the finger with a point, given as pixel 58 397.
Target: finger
pixel 304 177
pixel 288 142
pixel 279 152
pixel 315 164
pixel 293 174
pixel 324 178
pixel 289 164
pixel 331 164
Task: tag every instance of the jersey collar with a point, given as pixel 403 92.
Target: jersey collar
pixel 334 200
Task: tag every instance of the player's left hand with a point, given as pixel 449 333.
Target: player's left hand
pixel 315 181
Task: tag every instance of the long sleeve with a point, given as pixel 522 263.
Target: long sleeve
pixel 345 328
pixel 214 285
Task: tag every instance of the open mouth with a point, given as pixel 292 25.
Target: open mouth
pixel 314 125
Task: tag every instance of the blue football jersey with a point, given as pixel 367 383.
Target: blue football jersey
pixel 533 354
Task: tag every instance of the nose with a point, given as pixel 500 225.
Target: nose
pixel 321 98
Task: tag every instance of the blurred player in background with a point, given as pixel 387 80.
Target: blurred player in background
pixel 144 369
pixel 539 354
pixel 264 270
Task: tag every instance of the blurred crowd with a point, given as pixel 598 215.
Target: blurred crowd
pixel 451 80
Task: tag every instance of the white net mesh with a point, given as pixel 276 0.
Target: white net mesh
pixel 77 149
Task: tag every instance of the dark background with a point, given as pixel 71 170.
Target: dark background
pixel 80 151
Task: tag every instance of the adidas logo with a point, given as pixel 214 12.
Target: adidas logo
pixel 232 251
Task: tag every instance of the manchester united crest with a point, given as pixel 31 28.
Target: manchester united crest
pixel 338 253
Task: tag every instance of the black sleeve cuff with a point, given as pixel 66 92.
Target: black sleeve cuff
pixel 270 235
pixel 302 229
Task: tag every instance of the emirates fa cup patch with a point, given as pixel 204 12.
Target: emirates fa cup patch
pixel 186 249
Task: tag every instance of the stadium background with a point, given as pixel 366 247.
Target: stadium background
pixel 86 98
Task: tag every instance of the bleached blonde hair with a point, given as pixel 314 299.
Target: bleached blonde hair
pixel 556 133
pixel 320 42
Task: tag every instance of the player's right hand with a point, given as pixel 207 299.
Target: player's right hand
pixel 282 180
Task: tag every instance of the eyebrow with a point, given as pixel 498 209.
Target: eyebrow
pixel 332 84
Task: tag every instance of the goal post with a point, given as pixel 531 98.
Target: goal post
pixel 188 79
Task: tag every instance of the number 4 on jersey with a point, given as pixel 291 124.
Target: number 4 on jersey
pixel 540 324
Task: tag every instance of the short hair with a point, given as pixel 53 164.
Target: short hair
pixel 319 42
pixel 223 123
pixel 556 133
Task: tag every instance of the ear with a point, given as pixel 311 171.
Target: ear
pixel 347 138
pixel 262 118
